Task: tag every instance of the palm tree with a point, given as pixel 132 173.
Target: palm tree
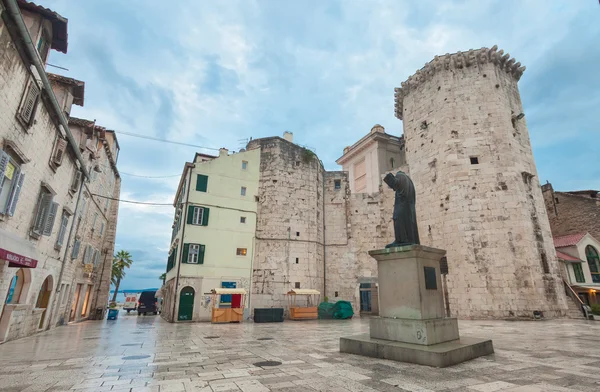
pixel 121 261
pixel 163 277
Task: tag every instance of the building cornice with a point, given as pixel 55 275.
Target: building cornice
pixel 367 141
pixel 456 60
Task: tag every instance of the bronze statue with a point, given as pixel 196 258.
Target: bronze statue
pixel 405 215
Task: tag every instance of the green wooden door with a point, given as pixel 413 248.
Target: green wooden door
pixel 186 304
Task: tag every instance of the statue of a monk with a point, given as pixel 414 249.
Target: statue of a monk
pixel 405 215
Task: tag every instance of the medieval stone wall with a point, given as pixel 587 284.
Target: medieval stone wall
pixel 289 230
pixel 572 213
pixel 478 194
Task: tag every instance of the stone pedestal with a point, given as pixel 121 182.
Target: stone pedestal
pixel 412 326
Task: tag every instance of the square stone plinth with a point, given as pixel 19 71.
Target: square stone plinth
pixel 438 355
pixel 423 332
pixel 410 285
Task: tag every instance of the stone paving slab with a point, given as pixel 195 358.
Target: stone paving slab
pixel 549 355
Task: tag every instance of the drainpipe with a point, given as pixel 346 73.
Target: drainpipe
pixel 324 248
pixel 66 254
pixel 184 217
pixel 15 12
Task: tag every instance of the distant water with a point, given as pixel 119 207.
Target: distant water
pixel 123 293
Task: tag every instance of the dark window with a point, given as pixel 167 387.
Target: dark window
pixel 297 285
pixel 556 200
pixel 430 278
pixel 593 262
pixel 297 163
pixel 297 260
pixel 336 294
pixel 579 277
pixel 474 161
pixel 297 234
pixel 256 199
pixel 337 184
pixel 242 219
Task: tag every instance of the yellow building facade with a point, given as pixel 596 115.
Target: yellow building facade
pixel 213 233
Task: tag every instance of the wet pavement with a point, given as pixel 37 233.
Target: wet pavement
pixel 148 354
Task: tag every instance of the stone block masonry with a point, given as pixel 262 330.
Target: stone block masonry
pixel 478 195
pixel 572 212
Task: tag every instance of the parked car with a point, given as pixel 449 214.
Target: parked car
pixel 147 303
pixel 131 302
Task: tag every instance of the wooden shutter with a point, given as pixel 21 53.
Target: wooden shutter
pixel 190 215
pixel 76 180
pixel 63 229
pixel 186 252
pixel 205 217
pixel 49 221
pixel 28 107
pixel 42 212
pixel 201 183
pixel 201 255
pixel 61 146
pixel 88 254
pixel 96 257
pixel 75 251
pixel 14 197
pixel 4 159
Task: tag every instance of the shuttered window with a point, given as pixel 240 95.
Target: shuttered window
pixel 49 223
pixel 198 215
pixel 11 182
pixel 75 252
pixel 193 254
pixel 59 151
pixel 29 104
pixel 76 180
pixel 201 183
pixel 64 222
pixel 43 213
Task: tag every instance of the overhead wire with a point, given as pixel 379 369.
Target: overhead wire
pixel 164 140
pixel 132 201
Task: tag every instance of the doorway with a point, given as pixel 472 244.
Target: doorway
pixel 369 303
pixel 75 303
pixel 86 301
pixel 585 297
pixel 43 299
pixel 186 304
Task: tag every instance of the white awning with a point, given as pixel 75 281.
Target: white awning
pixel 303 292
pixel 228 291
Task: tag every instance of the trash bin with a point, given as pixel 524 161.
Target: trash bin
pixel 113 314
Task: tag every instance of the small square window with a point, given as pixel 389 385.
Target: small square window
pixel 242 219
pixel 241 251
pixel 297 234
pixel 297 260
pixel 244 165
pixel 337 184
pixel 256 199
pixel 243 191
pixel 474 160
pixel 337 294
pixel 297 285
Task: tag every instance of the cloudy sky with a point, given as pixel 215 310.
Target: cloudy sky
pixel 215 73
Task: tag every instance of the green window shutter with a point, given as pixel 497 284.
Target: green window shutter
pixel 190 215
pixel 205 217
pixel 202 183
pixel 201 255
pixel 186 251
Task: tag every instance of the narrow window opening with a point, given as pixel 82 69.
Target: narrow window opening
pixel 297 163
pixel 474 160
pixel 243 191
pixel 256 199
pixel 556 200
pixel 244 165
pixel 337 184
pixel 297 234
pixel 337 294
pixel 242 219
pixel 297 285
pixel 297 260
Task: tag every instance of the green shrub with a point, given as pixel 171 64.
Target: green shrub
pixel 596 309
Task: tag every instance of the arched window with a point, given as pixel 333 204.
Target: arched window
pixel 594 262
pixel 15 290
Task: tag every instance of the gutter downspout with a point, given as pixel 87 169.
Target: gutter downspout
pixel 184 217
pixel 66 254
pixel 324 248
pixel 15 12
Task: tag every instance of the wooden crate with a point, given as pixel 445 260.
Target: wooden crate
pixel 310 313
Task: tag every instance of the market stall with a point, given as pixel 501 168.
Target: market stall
pixel 230 314
pixel 305 307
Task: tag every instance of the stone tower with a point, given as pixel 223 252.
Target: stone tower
pixel 478 194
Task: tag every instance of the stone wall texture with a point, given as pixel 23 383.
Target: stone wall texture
pixel 572 212
pixel 478 194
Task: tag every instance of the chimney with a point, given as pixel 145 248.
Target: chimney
pixel 223 152
pixel 289 136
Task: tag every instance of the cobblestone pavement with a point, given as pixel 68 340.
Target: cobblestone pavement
pixel 149 354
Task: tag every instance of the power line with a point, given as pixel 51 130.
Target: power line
pixel 164 140
pixel 132 201
pixel 137 175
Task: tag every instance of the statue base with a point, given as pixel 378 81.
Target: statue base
pixel 413 327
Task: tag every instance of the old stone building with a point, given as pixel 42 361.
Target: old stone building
pixel 467 149
pixel 44 175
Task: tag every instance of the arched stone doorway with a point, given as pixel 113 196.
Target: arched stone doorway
pixel 186 304
pixel 16 294
pixel 44 298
